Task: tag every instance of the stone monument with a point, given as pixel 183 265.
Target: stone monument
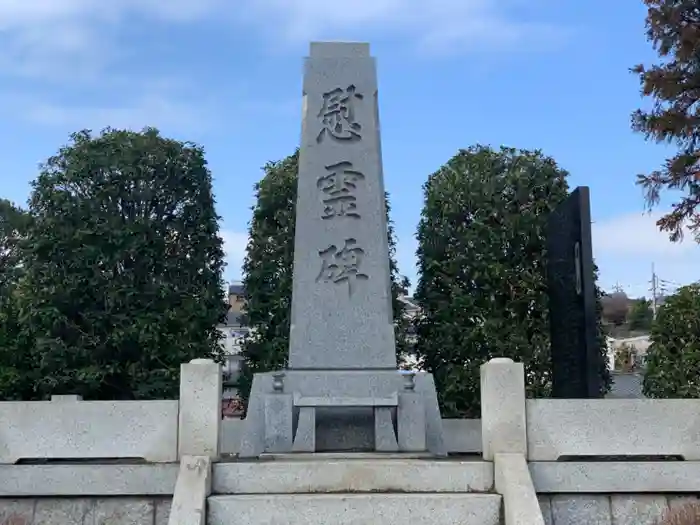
pixel 576 359
pixel 342 390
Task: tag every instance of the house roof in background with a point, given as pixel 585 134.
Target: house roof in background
pixel 233 319
pixel 236 288
pixel 408 301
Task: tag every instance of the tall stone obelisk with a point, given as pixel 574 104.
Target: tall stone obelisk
pixel 341 389
pixel 341 302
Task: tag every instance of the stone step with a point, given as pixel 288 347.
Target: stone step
pixel 352 475
pixel 354 509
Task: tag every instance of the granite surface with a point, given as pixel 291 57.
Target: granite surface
pixel 341 300
pixel 354 509
pixel 84 511
pixel 605 509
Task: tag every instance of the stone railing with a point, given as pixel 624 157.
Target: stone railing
pixel 581 459
pixel 588 460
pixel 65 456
pixel 611 452
pixel 68 429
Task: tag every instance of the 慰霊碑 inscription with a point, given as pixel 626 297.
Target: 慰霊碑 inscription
pixel 338 187
pixel 342 271
pixel 342 265
pixel 338 115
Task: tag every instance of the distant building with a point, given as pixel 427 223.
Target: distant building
pixel 236 296
pixel 411 308
pixel 629 353
pixel 234 332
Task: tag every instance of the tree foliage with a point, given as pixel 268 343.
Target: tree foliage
pixel 123 266
pixel 482 262
pixel 673 359
pixel 641 315
pixel 616 308
pixel 268 268
pixel 14 223
pixel 16 370
pixel 673 28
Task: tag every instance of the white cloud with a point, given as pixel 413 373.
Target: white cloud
pixel 69 43
pixel 234 247
pixel 637 235
pixel 67 38
pixel 442 25
pixel 148 110
pixel 625 248
pixel 61 38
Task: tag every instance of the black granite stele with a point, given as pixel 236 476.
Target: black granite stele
pixel 576 358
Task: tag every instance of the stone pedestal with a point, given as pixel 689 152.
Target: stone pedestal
pixel 348 428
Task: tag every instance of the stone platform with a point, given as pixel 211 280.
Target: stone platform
pixel 347 405
pixel 352 509
pixel 338 473
pixel 349 489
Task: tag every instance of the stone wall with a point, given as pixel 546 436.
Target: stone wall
pixel 68 428
pixel 608 509
pixel 85 511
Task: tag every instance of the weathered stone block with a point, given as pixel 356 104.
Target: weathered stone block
pixel 637 509
pixel 17 511
pixel 384 434
pixel 410 422
pixel 69 429
pixel 305 438
pixel 352 509
pixel 278 422
pixel 200 408
pixel 581 510
pixel 545 502
pixel 354 473
pixel 503 408
pixel 123 511
pixel 602 427
pixel 162 511
pixel 74 511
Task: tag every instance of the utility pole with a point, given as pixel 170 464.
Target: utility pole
pixel 653 290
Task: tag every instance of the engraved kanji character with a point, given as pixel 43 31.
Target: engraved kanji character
pixel 338 115
pixel 342 265
pixel 339 186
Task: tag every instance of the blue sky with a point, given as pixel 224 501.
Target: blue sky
pixel 540 74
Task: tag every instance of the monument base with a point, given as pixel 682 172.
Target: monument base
pixel 342 411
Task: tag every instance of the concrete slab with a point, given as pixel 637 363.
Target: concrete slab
pixel 348 456
pixel 193 487
pixel 371 475
pixel 66 429
pixel 352 509
pixel 87 480
pixel 615 477
pixel 602 427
